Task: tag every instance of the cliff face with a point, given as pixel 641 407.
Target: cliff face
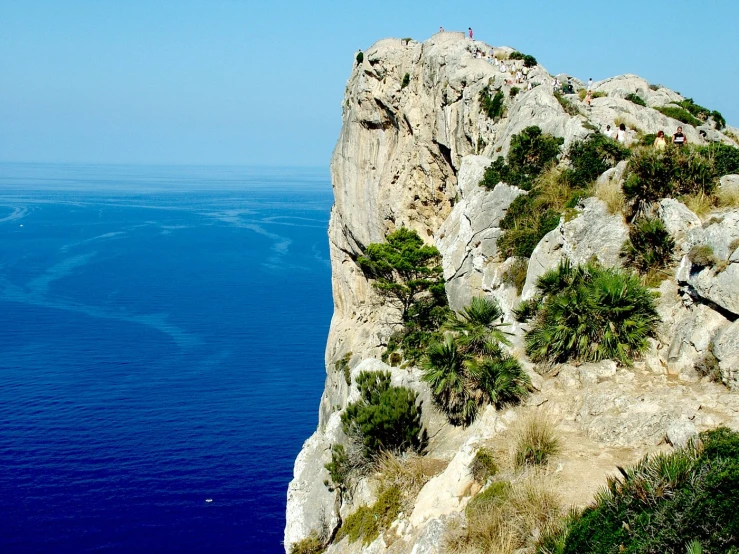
pixel 413 147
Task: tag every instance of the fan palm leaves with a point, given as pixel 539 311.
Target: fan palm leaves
pixel 479 327
pixel 469 369
pixel 591 313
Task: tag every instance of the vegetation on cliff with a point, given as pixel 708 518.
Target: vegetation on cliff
pixel 587 313
pixel 469 368
pixel 407 274
pixel 662 504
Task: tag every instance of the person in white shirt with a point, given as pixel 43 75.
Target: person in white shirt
pixel 590 84
pixel 608 132
pixel 621 133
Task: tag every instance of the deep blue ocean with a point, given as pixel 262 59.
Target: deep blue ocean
pixel 162 332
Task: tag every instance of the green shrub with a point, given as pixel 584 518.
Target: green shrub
pixel 338 468
pixel 636 99
pixel 406 80
pixel 514 91
pixel 386 418
pixel 483 465
pixel 367 522
pixel 493 495
pixel 468 369
pixel 662 504
pixel 653 174
pixel 406 272
pixel 528 60
pixel 478 328
pixel 530 153
pixel 312 544
pixel 724 156
pixel 492 106
pixel 515 274
pixel 701 255
pixel 680 114
pixel 360 58
pixel 461 384
pixel 342 366
pixel 536 442
pixel 703 114
pixel 589 158
pixel 567 106
pixel 649 247
pixel 526 309
pixel 591 313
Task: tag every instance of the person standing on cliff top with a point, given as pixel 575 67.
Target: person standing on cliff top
pixel 469 29
pixel 441 29
pixel 679 139
pixel 590 84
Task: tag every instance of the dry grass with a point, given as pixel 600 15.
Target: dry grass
pixel 553 190
pixel 536 441
pixel 610 192
pixel 506 517
pixel 700 204
pixel 727 198
pixel 407 472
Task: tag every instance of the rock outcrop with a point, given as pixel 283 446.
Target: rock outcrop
pixel 413 147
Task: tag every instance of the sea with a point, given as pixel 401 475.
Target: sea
pixel 162 336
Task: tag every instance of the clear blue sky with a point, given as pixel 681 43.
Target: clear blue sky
pixel 261 82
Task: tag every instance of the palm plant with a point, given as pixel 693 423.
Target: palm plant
pixel 591 313
pixel 479 327
pixel 445 372
pixel 498 379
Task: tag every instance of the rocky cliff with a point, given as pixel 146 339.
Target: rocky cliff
pixel 414 145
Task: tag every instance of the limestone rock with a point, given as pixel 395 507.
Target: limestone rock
pixel 726 350
pixel 679 222
pixel 730 183
pixel 594 233
pixel 681 432
pixel 718 284
pixel 447 492
pixel 467 240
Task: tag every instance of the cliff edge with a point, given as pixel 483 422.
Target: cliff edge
pixel 415 143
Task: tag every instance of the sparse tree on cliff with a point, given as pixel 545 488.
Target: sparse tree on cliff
pixel 407 273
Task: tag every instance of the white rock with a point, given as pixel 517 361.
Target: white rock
pixel 681 432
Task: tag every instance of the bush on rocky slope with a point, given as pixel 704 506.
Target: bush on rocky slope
pixel 530 153
pixel 650 247
pixel 386 418
pixel 468 369
pixel 590 313
pixel 553 190
pixel 662 504
pixel 407 274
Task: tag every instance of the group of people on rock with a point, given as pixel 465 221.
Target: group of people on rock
pixel 660 142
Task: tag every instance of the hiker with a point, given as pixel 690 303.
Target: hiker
pixel 679 139
pixel 469 29
pixel 660 143
pixel 588 98
pixel 556 84
pixel 519 76
pixel 570 88
pixel 525 71
pixel 608 132
pixel 621 133
pixel 441 29
pixel 590 84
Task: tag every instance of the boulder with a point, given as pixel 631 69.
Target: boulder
pixel 467 240
pixel 679 221
pixel 726 350
pixel 681 432
pixel 595 233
